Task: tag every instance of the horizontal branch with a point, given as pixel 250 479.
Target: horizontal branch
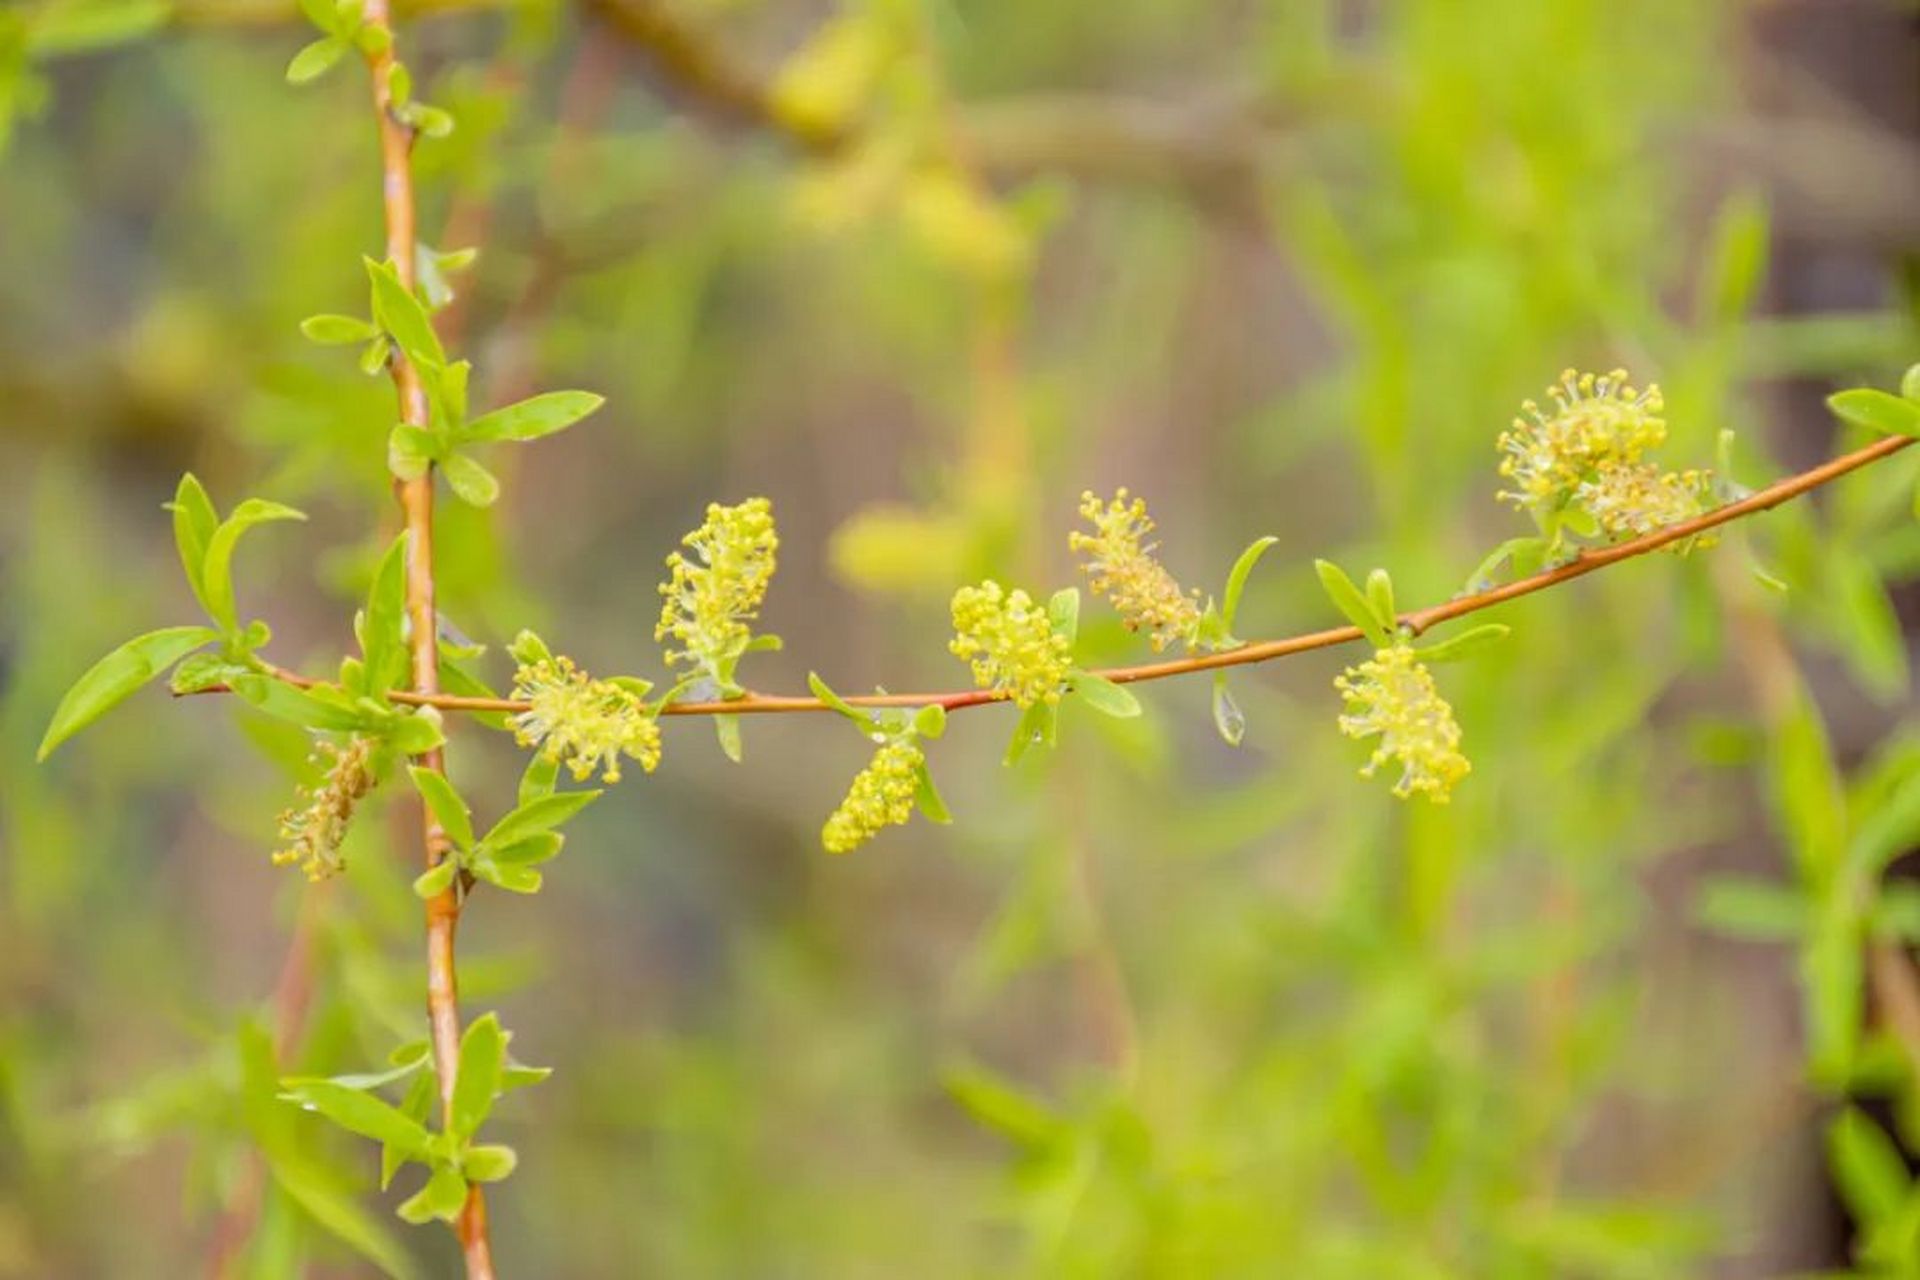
pixel 1416 622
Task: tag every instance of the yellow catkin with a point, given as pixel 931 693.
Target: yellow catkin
pixel 1120 565
pixel 882 795
pixel 1392 696
pixel 713 593
pixel 1010 642
pixel 582 723
pixel 315 832
pixel 1595 420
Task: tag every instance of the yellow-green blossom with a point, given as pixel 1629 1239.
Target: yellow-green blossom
pixel 1595 420
pixel 1631 499
pixel 1392 694
pixel 314 833
pixel 711 596
pixel 1121 566
pixel 583 723
pixel 1011 643
pixel 882 795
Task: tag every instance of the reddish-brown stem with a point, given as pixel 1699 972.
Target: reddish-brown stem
pixel 1416 622
pixel 416 506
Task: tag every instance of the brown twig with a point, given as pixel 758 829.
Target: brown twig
pixel 416 505
pixel 1417 622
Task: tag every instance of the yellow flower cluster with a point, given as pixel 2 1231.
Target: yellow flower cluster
pixel 314 833
pixel 882 795
pixel 1121 566
pixel 582 723
pixel 1011 643
pixel 710 597
pixel 1595 421
pixel 1392 694
pixel 1630 499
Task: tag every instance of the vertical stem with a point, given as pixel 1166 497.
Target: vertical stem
pixel 416 506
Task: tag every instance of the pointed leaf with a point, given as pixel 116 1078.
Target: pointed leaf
pixel 535 816
pixel 403 316
pixel 476 485
pixel 217 568
pixel 1350 601
pixel 1466 644
pixel 443 1197
pixel 449 810
pixel 1237 577
pixel 1104 696
pixel 316 59
pixel 110 680
pixel 194 521
pixel 360 1113
pixel 530 419
pixel 483 1054
pixel 1876 411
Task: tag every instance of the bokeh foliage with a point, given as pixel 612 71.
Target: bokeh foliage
pixel 1152 1006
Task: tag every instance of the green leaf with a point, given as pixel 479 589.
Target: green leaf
pixel 449 810
pixel 436 880
pixel 1011 1112
pixel 431 121
pixel 1876 411
pixel 416 1105
pixel 932 805
pixel 217 568
pixel 374 356
pixel 1736 260
pixel 483 1055
pixel 1888 831
pixel 321 14
pixel 529 649
pixel 341 1215
pixel 1519 556
pixel 511 878
pixel 360 1113
pixel 542 774
pixel 336 331
pixel 1104 696
pixel 1465 645
pixel 930 721
pixel 199 671
pixel 403 316
pixel 382 626
pixel 488 1163
pixel 443 1197
pixel 316 59
pixel 194 521
pixel 415 734
pixel 316 708
pixel 1910 383
pixel 838 703
pixel 1237 577
pixel 58 30
pixel 539 815
pixel 1868 1168
pixel 1348 599
pixel 1380 599
pixel 1754 910
pixel 528 852
pixel 727 729
pixel 1228 719
pixel 476 485
pixel 1039 725
pixel 1063 612
pixel 530 419
pixel 110 680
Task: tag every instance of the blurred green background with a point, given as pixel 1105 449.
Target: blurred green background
pixel 920 273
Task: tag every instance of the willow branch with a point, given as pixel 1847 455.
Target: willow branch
pixel 1416 623
pixel 416 505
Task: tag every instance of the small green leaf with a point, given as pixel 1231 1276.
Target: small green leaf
pixel 1380 599
pixel 1869 1169
pixel 199 671
pixel 110 680
pixel 194 521
pixel 1349 600
pixel 1228 719
pixel 927 797
pixel 316 59
pixel 1876 411
pixel 838 703
pixel 538 815
pixel 217 567
pixel 1063 612
pixel 436 881
pixel 431 121
pixel 483 1054
pixel 512 879
pixel 530 419
pixel 1237 577
pixel 930 721
pixel 321 707
pixel 528 852
pixel 336 331
pixel 476 485
pixel 1009 1111
pixel 415 734
pixel 403 316
pixel 383 624
pixel 449 810
pixel 529 649
pixel 360 1113
pixel 374 356
pixel 488 1163
pixel 1104 696
pixel 1910 383
pixel 399 83
pixel 1039 724
pixel 541 775
pixel 727 729
pixel 443 1197
pixel 1466 644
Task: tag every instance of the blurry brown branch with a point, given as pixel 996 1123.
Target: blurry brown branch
pixel 1416 623
pixel 416 504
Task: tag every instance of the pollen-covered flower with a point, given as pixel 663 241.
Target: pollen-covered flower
pixel 314 833
pixel 882 795
pixel 1595 421
pixel 1011 643
pixel 1121 566
pixel 1392 694
pixel 711 596
pixel 583 723
pixel 1631 499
